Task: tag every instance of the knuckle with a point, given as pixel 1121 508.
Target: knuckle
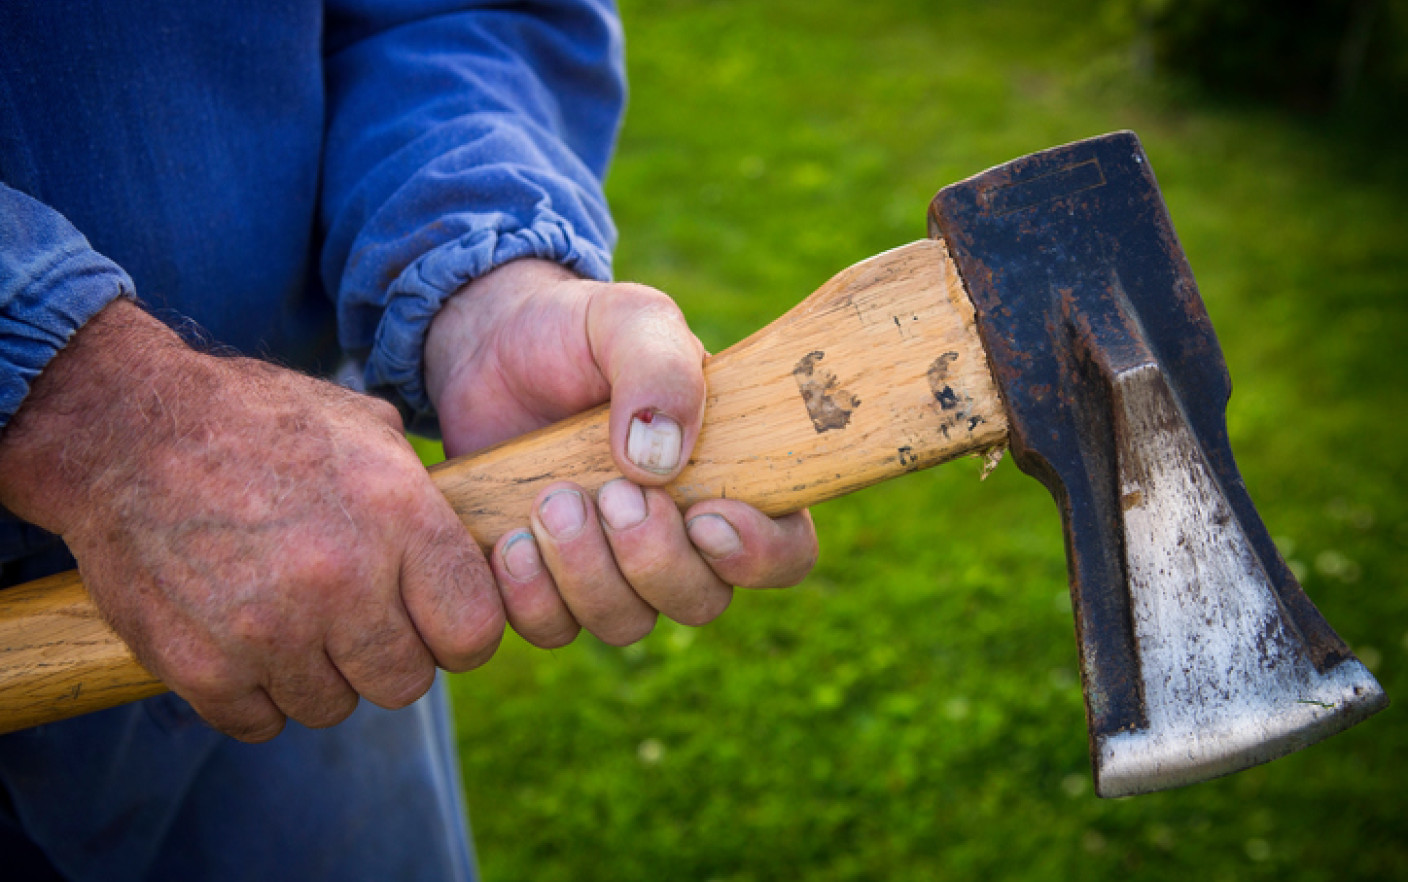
pixel 246 716
pixel 322 567
pixel 654 561
pixel 552 635
pixel 469 655
pixel 386 412
pixel 203 675
pixel 805 558
pixel 787 560
pixel 709 606
pixel 406 689
pixel 451 557
pixel 383 660
pixel 542 620
pixel 472 644
pixel 318 699
pixel 394 490
pixel 255 731
pixel 457 609
pixel 636 295
pixel 790 572
pixel 537 613
pixel 330 711
pixel 330 716
pixel 531 605
pixel 627 629
pixel 658 301
pixel 649 308
pixel 652 576
pixel 256 624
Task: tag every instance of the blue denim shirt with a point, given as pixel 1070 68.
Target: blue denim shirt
pixel 292 178
pixel 239 160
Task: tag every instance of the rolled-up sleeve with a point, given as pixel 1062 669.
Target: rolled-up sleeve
pixel 51 283
pixel 461 136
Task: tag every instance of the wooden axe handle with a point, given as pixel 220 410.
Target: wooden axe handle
pixel 878 373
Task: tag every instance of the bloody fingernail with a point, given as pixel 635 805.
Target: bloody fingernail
pixel 654 442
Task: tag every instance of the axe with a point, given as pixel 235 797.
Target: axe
pixel 1052 313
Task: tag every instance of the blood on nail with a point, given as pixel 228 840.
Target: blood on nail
pixel 645 415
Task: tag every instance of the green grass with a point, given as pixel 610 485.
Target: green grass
pixel 912 711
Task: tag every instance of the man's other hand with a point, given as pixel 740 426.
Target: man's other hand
pixel 268 544
pixel 531 343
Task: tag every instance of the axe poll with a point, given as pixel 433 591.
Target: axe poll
pixel 1052 312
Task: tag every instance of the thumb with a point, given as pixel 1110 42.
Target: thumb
pixel 655 366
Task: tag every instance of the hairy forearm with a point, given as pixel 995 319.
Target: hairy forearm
pixel 105 399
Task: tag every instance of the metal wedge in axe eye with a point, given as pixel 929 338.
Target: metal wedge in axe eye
pixel 1081 342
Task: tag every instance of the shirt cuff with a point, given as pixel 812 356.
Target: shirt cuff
pixel 51 283
pixel 396 362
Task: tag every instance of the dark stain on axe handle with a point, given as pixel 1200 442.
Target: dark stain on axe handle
pixel 938 376
pixel 829 406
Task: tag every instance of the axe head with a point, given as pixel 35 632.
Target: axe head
pixel 1200 653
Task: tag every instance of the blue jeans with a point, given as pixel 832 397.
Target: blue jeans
pixel 149 791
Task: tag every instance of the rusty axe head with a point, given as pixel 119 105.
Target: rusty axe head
pixel 1200 653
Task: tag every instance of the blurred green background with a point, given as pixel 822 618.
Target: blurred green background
pixel 913 711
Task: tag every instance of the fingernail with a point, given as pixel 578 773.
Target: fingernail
pixel 713 535
pixel 654 442
pixel 621 503
pixel 563 513
pixel 521 557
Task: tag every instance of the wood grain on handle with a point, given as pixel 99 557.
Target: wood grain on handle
pixel 59 659
pixel 878 373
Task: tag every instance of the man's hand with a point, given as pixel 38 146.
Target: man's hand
pixel 269 545
pixel 530 343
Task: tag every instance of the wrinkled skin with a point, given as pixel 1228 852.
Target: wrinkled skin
pixel 270 547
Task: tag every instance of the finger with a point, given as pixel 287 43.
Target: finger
pixel 576 553
pixel 449 592
pixel 747 548
pixel 381 656
pixel 531 600
pixel 252 717
pixel 648 541
pixel 315 694
pixel 655 366
pixel 224 692
pixel 288 653
pixel 299 683
pixel 227 698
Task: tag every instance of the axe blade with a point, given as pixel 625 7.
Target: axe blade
pixel 1200 653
